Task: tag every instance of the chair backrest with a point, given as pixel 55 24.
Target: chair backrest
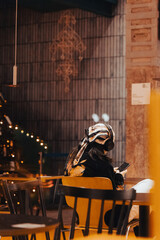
pixel 102 195
pixel 93 183
pixel 24 197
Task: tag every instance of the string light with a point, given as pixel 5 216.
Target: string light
pixel 31 136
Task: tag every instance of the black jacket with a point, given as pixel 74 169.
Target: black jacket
pixel 93 163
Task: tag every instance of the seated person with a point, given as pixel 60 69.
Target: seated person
pixel 90 157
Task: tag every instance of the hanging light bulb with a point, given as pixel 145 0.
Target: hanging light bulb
pixel 32 136
pixel 16 127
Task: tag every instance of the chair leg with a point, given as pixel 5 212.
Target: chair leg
pixel 57 234
pixel 47 236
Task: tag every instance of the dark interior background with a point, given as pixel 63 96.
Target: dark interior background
pixel 39 104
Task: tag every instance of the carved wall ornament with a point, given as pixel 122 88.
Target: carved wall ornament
pixel 66 48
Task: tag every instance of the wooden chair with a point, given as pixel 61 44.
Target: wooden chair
pixel 25 198
pixel 93 183
pixel 92 195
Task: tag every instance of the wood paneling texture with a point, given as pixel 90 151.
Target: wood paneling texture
pixel 40 104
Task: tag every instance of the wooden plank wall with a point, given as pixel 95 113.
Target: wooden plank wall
pixel 39 104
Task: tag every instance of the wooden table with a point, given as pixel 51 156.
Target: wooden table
pixel 143 200
pixel 13 225
pixel 132 180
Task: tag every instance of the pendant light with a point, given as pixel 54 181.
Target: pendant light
pixel 15 53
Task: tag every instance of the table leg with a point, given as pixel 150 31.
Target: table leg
pixel 143 221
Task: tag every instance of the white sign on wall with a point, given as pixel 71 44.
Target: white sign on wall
pixel 141 93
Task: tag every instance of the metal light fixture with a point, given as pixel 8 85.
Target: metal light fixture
pixel 15 51
pixel 15 58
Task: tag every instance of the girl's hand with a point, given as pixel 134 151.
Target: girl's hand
pixel 116 170
pixel 123 172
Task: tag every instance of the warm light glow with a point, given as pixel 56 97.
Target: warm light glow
pixel 33 190
pixel 95 117
pixel 10 126
pixel 45 147
pixel 16 127
pixel 105 117
pixel 41 143
pixel 1 122
pixel 37 139
pixel 22 131
pixel 11 143
pixel 27 134
pixel 32 136
pixel 22 162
